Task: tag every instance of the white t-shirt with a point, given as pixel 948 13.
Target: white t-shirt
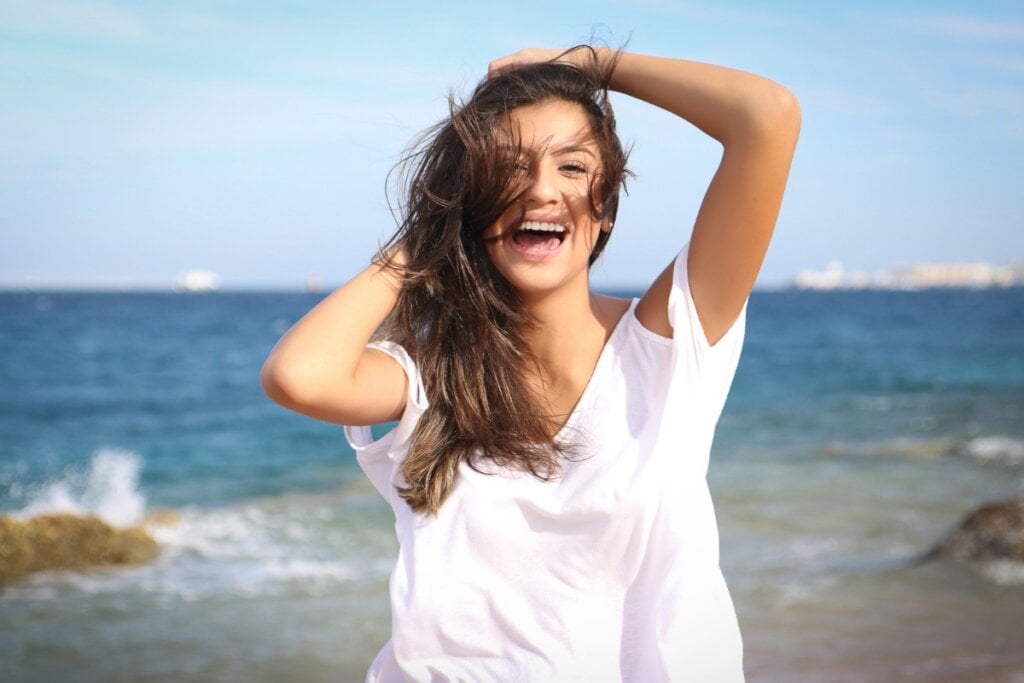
pixel 608 573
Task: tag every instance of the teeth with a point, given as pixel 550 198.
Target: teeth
pixel 538 226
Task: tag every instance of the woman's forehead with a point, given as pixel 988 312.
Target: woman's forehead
pixel 558 126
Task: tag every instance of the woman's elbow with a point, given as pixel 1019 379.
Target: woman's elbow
pixel 282 384
pixel 780 111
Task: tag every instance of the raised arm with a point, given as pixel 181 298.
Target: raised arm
pixel 757 121
pixel 321 366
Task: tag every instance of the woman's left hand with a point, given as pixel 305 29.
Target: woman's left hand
pixel 579 56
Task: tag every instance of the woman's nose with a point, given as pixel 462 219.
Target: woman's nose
pixel 543 184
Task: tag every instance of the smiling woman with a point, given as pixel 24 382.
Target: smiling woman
pixel 547 473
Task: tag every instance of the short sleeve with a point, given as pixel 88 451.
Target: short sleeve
pixel 712 364
pixel 395 442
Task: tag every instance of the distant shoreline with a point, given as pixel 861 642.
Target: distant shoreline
pixel 912 277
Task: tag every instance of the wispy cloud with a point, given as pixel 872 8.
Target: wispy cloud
pixel 973 28
pixel 838 99
pixel 60 17
pixel 1002 108
pixel 184 114
pixel 714 11
pixel 1009 65
pixel 233 115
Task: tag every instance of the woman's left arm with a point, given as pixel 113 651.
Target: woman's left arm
pixel 758 122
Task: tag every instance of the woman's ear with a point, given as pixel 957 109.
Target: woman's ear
pixel 608 207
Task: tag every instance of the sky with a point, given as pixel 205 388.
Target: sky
pixel 139 140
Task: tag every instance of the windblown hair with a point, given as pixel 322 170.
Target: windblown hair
pixel 456 314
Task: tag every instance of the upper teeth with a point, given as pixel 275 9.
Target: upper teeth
pixel 543 227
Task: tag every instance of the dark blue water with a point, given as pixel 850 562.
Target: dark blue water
pixel 873 365
pixel 172 377
pixel 175 378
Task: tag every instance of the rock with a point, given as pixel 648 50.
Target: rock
pixel 15 549
pixel 993 532
pixel 64 541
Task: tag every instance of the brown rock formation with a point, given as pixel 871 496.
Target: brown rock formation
pixel 66 541
pixel 993 532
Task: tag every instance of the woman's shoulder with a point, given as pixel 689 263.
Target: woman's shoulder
pixel 610 310
pixel 621 320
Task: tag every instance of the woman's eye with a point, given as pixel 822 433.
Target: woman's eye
pixel 574 167
pixel 519 165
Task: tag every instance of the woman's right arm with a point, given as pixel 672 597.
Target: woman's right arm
pixel 321 366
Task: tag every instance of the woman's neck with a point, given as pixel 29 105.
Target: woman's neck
pixel 559 318
pixel 567 340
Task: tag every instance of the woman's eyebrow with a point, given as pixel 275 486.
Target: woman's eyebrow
pixel 571 147
pixel 574 148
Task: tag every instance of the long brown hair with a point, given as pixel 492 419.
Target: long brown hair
pixel 456 314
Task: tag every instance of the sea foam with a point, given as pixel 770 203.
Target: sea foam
pixel 995 448
pixel 108 488
pixel 1001 449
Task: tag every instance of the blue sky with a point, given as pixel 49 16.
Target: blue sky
pixel 142 139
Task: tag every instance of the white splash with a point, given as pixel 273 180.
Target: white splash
pixel 1003 449
pixel 296 544
pixel 109 489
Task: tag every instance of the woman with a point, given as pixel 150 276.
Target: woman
pixel 547 472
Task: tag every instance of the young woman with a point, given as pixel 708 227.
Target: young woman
pixel 547 472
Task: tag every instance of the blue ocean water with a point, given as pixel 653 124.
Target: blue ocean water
pixel 860 427
pixel 173 378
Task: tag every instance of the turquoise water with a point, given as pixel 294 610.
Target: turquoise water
pixel 861 427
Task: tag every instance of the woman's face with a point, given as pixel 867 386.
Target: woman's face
pixel 544 240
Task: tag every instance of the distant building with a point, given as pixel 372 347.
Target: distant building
pixel 915 276
pixel 197 281
pixel 830 278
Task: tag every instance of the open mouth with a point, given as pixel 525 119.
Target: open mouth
pixel 535 235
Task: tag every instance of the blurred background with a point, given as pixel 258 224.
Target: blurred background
pixel 180 182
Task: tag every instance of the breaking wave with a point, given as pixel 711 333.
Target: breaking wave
pixel 107 488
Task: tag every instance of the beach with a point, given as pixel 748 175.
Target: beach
pixel 861 428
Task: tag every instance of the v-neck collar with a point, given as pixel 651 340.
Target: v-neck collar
pixel 602 360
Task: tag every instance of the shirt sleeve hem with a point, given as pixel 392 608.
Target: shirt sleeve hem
pixel 360 438
pixel 683 316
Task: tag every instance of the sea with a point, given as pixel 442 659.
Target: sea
pixel 861 428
